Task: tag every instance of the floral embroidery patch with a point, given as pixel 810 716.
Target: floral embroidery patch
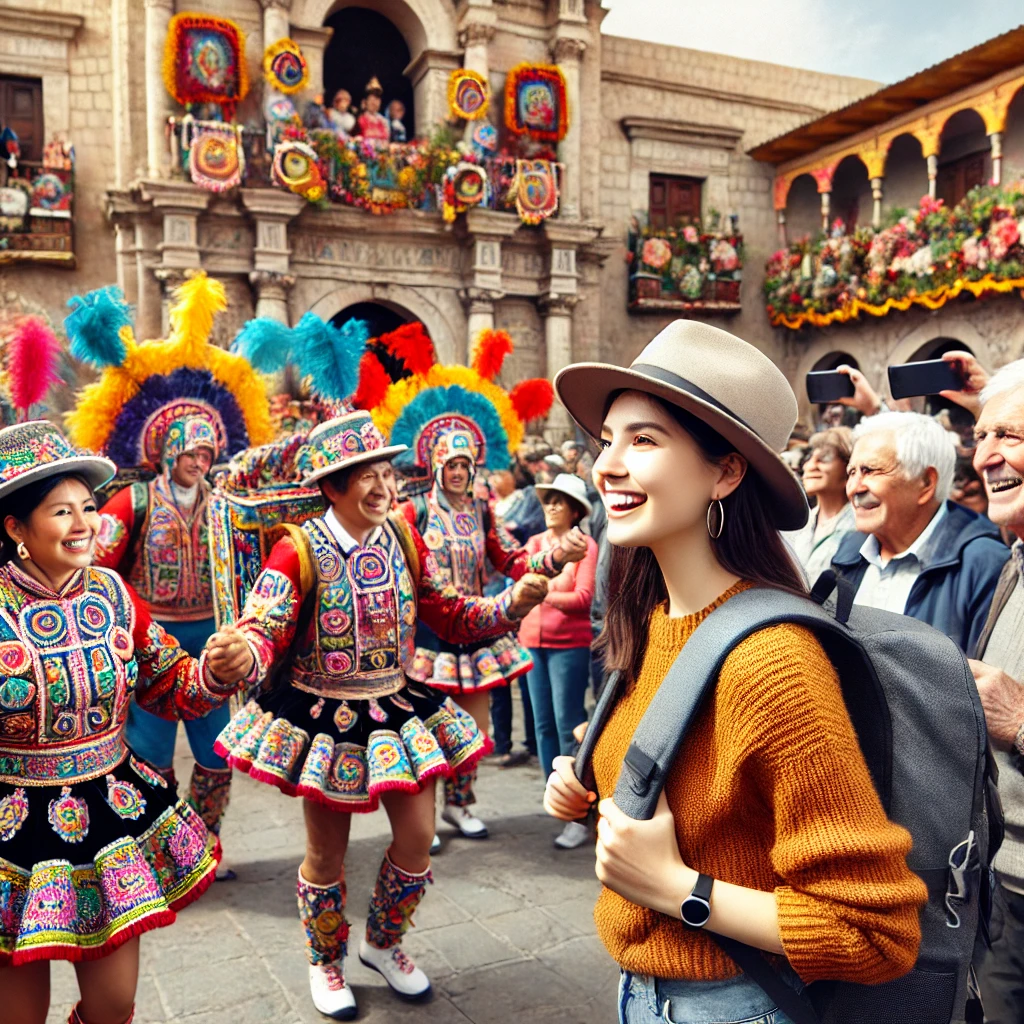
pixel 377 713
pixel 69 817
pixel 13 814
pixel 151 775
pixel 345 717
pixel 125 799
pixel 316 709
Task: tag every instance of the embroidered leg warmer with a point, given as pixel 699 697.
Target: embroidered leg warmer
pixel 77 1018
pixel 396 895
pixel 458 789
pixel 322 912
pixel 209 794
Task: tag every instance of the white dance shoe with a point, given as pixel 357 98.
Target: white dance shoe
pixel 331 995
pixel 465 821
pixel 397 969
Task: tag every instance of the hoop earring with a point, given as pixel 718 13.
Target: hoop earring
pixel 23 552
pixel 713 534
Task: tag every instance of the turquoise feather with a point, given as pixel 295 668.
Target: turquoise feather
pixel 265 343
pixel 93 326
pixel 330 355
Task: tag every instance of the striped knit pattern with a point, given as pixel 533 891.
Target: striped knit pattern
pixel 769 791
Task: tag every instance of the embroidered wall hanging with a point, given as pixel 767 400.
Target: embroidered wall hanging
pixel 535 102
pixel 204 62
pixel 284 67
pixel 484 139
pixel 535 190
pixel 216 160
pixel 468 95
pixel 296 168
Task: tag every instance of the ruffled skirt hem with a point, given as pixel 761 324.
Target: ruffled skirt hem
pixel 459 670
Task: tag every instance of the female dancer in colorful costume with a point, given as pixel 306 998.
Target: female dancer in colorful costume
pixel 94 847
pixel 170 407
pixel 463 535
pixel 334 614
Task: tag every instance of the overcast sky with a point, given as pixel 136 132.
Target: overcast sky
pixel 884 40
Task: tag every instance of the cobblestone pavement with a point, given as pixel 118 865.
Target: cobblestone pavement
pixel 505 934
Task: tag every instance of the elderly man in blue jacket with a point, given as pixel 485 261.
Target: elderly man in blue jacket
pixel 914 551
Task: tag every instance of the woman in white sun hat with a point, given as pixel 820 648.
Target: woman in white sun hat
pixel 557 634
pixel 769 811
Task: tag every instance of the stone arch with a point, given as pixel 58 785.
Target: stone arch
pixel 906 172
pixel 918 341
pixel 822 354
pixel 851 192
pixel 803 207
pixel 425 24
pixel 440 323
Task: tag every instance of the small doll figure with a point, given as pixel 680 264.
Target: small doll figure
pixel 372 123
pixel 340 114
pixel 396 112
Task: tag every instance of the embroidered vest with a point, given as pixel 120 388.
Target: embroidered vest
pixel 67 670
pixel 456 540
pixel 361 638
pixel 171 565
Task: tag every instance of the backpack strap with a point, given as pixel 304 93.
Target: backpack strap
pixel 404 533
pixel 304 549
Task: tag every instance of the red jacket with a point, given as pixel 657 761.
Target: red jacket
pixel 563 619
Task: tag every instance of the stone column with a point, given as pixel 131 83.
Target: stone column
pixel 567 52
pixel 780 217
pixel 276 23
pixel 557 312
pixel 996 141
pixel 272 294
pixel 479 305
pixel 933 173
pixel 429 76
pixel 876 195
pixel 312 42
pixel 168 278
pixel 475 35
pixel 485 231
pixel 158 17
pixel 826 203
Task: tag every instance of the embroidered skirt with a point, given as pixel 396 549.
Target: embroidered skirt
pixel 455 668
pixel 345 753
pixel 87 866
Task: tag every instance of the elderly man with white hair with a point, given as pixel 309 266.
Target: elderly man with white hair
pixel 915 552
pixel 999 673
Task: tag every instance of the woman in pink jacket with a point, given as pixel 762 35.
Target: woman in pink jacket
pixel 557 633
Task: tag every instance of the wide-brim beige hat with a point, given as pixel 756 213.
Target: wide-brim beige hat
pixel 343 442
pixel 722 380
pixel 36 450
pixel 572 487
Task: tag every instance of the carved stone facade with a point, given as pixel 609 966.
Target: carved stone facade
pixel 635 109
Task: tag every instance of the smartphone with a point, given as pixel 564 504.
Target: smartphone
pixel 929 377
pixel 828 385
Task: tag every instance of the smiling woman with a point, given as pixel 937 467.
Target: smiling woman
pixel 696 492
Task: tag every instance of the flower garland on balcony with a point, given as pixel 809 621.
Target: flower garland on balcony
pixel 687 264
pixel 925 258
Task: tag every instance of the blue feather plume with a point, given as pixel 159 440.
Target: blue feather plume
pixel 265 343
pixel 93 326
pixel 329 354
pixel 444 401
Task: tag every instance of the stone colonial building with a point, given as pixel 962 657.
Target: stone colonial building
pixel 656 134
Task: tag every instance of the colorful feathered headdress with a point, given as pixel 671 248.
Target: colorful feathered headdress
pixel 428 401
pixel 147 386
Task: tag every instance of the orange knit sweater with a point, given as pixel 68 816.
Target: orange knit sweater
pixel 769 791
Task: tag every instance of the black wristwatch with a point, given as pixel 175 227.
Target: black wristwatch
pixel 695 910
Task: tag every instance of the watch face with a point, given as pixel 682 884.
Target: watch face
pixel 695 911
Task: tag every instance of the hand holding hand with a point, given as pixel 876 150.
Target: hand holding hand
pixel 640 860
pixel 865 398
pixel 565 797
pixel 571 548
pixel 1002 697
pixel 974 376
pixel 527 593
pixel 229 655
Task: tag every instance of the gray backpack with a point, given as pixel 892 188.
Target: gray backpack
pixel 913 703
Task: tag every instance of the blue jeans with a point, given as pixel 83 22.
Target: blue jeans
pixel 558 689
pixel 501 717
pixel 153 738
pixel 645 1000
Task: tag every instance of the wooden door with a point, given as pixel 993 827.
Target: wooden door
pixel 674 201
pixel 21 109
pixel 958 177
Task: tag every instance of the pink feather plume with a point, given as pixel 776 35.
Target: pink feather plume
pixel 32 354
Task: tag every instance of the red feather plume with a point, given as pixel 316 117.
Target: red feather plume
pixel 373 383
pixel 32 353
pixel 489 351
pixel 412 345
pixel 532 399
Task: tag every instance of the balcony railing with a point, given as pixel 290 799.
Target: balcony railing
pixel 36 214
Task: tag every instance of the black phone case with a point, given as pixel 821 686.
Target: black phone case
pixel 828 385
pixel 908 380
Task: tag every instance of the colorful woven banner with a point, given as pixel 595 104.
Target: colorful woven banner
pixel 296 167
pixel 535 102
pixel 204 61
pixel 216 159
pixel 535 189
pixel 284 67
pixel 468 95
pixel 934 299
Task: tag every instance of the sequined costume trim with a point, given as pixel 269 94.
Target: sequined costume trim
pixel 322 913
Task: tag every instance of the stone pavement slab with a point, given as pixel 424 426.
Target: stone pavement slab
pixel 505 933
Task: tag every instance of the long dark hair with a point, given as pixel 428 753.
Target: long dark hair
pixel 749 547
pixel 24 501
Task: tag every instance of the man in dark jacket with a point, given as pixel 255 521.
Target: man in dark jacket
pixel 915 552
